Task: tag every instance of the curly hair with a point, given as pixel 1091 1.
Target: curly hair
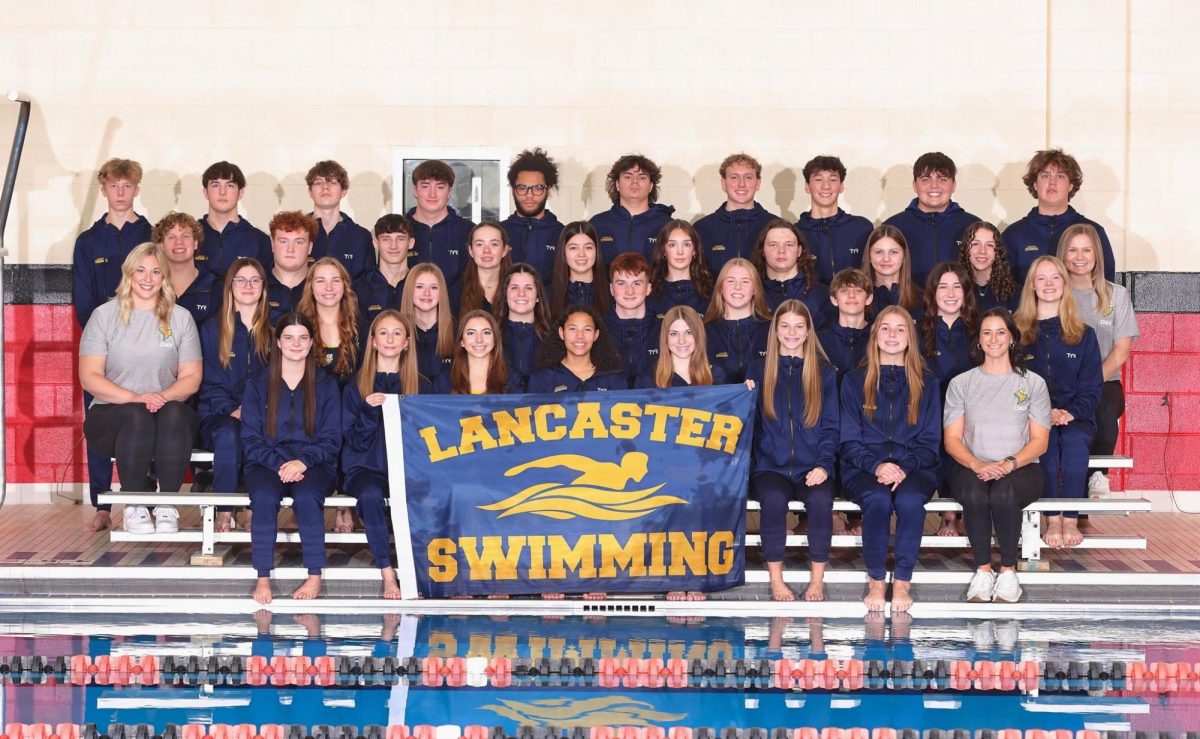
pixel 603 355
pixel 534 160
pixel 1058 159
pixel 293 220
pixel 1002 282
pixel 159 233
pixel 626 163
pixel 698 271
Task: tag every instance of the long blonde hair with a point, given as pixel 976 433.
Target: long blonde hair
pixel 445 319
pixel 347 320
pixel 698 370
pixel 716 307
pixel 1068 313
pixel 260 330
pixel 810 378
pixel 166 295
pixel 1099 284
pixel 410 379
pixel 914 366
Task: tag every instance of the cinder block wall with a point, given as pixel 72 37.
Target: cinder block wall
pixel 275 85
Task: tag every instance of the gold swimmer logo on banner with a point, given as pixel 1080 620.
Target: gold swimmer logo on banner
pixel 597 492
pixel 613 710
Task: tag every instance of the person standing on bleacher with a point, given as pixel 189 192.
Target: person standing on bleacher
pixel 139 357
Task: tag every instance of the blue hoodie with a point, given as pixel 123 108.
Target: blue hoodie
pixel 429 363
pixel 931 237
pixel 846 347
pixel 620 232
pixel 636 341
pixel 99 253
pixel 281 298
pixel 734 345
pixel 952 352
pixel 885 296
pixel 444 243
pixel 1037 235
pixel 203 297
pixel 796 288
pixel 679 292
pixel 364 449
pixel 646 381
pixel 375 295
pixel 786 445
pixel 837 241
pixel 868 443
pixel 222 388
pixel 1072 373
pixel 725 234
pixel 521 346
pixel 534 241
pixel 290 441
pixel 348 242
pixel 559 379
pixel 238 239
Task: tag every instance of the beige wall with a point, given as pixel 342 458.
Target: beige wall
pixel 274 86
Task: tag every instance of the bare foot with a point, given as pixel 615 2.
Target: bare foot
pixel 1071 536
pixel 696 595
pixel 343 522
pixel 1053 535
pixel 949 525
pixel 391 587
pixel 876 624
pixel 309 589
pixel 311 624
pixel 875 599
pixel 102 521
pixel 224 522
pixel 262 621
pixel 262 591
pixel 901 595
pixel 780 592
pixel 816 583
pixel 390 622
pixel 855 528
pixel 595 596
pixel 677 595
pixel 553 596
pixel 247 514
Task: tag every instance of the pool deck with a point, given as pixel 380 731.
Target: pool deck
pixel 47 560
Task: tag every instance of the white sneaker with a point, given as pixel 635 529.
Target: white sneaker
pixel 1098 486
pixel 981 587
pixel 166 520
pixel 1007 589
pixel 136 520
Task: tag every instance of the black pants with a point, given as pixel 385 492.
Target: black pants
pixel 773 491
pixel 136 438
pixel 1108 413
pixel 995 503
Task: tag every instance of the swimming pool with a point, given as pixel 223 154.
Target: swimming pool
pixel 457 671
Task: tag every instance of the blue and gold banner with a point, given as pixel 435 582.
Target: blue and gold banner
pixel 632 491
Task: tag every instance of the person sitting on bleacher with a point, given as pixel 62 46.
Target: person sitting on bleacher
pixel 426 300
pixel 237 345
pixel 997 423
pixel 1063 350
pixel 389 367
pixel 140 358
pixel 291 431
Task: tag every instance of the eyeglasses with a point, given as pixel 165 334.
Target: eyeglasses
pixel 535 189
pixel 251 281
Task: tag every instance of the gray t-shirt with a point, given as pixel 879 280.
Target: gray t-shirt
pixel 1118 323
pixel 140 356
pixel 998 409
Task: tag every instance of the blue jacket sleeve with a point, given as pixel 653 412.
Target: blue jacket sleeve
pixel 645 381
pixel 1090 380
pixel 325 446
pixel 85 288
pixel 217 383
pixel 1110 262
pixel 855 454
pixel 257 447
pixel 924 445
pixel 360 421
pixel 830 423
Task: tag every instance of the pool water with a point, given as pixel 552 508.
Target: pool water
pixel 569 672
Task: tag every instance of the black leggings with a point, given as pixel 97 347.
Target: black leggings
pixel 1108 414
pixel 137 438
pixel 995 503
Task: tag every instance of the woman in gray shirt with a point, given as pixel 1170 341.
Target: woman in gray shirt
pixel 996 423
pixel 140 358
pixel 1106 307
